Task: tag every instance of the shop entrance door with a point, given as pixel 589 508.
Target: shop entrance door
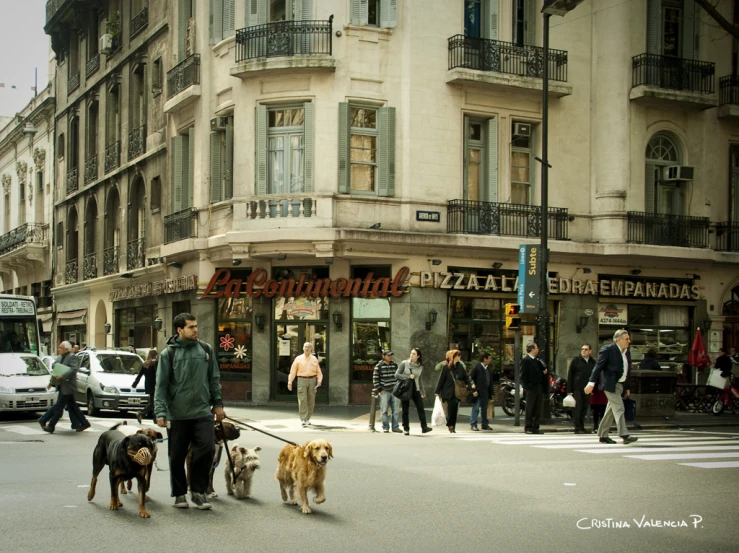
pixel 289 340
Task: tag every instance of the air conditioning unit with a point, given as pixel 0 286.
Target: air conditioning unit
pixel 678 173
pixel 521 129
pixel 106 44
pixel 218 124
pixel 190 38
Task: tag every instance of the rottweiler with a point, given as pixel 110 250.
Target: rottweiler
pixel 127 457
pixel 224 431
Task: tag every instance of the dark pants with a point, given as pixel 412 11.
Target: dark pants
pixel 418 400
pixel 582 400
pixel 198 435
pixel 534 401
pixel 481 404
pixel 598 412
pixel 452 409
pixel 55 412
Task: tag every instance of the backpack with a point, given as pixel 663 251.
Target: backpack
pixel 204 345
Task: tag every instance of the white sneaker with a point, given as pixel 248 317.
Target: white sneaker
pixel 303 423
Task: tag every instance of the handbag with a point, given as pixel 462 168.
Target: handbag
pixel 460 388
pixel 716 380
pixel 403 388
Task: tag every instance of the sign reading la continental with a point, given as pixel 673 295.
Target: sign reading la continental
pixel 167 286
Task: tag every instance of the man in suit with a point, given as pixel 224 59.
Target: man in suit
pixel 612 375
pixel 532 379
pixel 480 375
pixel 578 375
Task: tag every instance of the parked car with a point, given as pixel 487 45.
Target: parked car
pixel 23 382
pixel 49 361
pixel 105 378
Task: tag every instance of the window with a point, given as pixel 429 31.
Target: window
pixel 221 159
pixel 221 19
pixel 138 97
pixel 366 150
pixel 673 28
pixel 113 126
pixel 380 13
pixel 156 77
pixel 156 195
pixel 60 142
pixel 473 18
pixel 185 29
pixel 74 55
pixel 521 164
pixel 182 170
pixel 370 327
pixel 92 130
pixel 524 22
pixel 662 196
pixel 481 159
pixel 22 204
pixel 74 141
pixel 6 219
pixel 60 235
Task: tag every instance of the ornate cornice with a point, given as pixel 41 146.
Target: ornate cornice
pixel 39 156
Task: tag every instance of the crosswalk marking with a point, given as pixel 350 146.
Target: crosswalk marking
pixel 651 449
pixel 25 430
pixel 587 441
pixel 723 465
pixel 654 443
pixel 670 456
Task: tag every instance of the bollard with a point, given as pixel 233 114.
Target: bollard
pixel 373 412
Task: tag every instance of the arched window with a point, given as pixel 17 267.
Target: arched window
pixel 661 195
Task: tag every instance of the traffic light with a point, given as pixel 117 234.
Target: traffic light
pixel 512 317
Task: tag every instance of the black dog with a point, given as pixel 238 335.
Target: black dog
pixel 127 457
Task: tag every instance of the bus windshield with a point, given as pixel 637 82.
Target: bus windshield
pixel 18 327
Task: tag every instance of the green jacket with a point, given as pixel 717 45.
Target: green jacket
pixel 188 386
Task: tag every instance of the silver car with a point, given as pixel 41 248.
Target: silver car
pixel 23 382
pixel 105 379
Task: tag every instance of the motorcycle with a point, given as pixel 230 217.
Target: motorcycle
pixel 509 397
pixel 726 398
pixel 557 394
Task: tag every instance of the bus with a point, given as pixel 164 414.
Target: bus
pixel 19 329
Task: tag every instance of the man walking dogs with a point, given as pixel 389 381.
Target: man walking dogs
pixel 187 396
pixel 532 379
pixel 309 375
pixel 611 373
pixel 581 368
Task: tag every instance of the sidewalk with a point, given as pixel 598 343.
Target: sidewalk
pixel 356 419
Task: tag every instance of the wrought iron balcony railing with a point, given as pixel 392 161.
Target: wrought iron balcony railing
pixel 139 22
pixel 728 90
pixel 93 64
pixel 284 38
pixel 667 230
pixel 505 57
pixel 181 225
pixel 137 142
pixel 113 156
pixel 27 233
pixel 72 180
pixel 73 83
pixel 183 75
pixel 503 219
pixel 72 273
pixel 110 261
pixel 90 266
pixel 91 169
pixel 727 237
pixel 136 255
pixel 673 73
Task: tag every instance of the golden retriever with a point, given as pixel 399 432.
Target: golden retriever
pixel 303 468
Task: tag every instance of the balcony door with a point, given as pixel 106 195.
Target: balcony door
pixel 662 196
pixel 734 185
pixel 672 28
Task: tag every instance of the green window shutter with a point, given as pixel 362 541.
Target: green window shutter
pixel 386 151
pixel 649 188
pixel 260 155
pixel 307 10
pixel 308 147
pixel 691 22
pixel 491 161
pixel 216 21
pixel 466 156
pixel 216 177
pixel 229 17
pixel 183 14
pixel 176 173
pixel 228 176
pixel 529 30
pixel 654 27
pixel 256 12
pixel 492 19
pixel 187 199
pixel 388 13
pixel 344 148
pixel 360 12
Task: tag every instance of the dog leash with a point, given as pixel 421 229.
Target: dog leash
pixel 259 430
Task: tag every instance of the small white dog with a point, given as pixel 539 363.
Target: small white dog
pixel 245 462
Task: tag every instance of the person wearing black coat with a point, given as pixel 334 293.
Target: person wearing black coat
pixel 580 370
pixel 149 373
pixel 535 382
pixel 650 363
pixel 452 370
pixel 480 375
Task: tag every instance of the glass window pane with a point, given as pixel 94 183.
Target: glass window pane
pixel 519 194
pixel 474 175
pixel 363 178
pixel 298 116
pixel 276 118
pixel 363 118
pixel 277 10
pixel 673 316
pixel 642 315
pixel 475 131
pixel 368 341
pixel 296 163
pixel 276 165
pixel 363 148
pixel 374 308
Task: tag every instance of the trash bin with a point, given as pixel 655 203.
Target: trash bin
pixel 653 392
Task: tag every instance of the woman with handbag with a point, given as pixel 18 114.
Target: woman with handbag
pixel 411 369
pixel 452 386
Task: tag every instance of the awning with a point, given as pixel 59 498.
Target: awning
pixel 46 322
pixel 71 318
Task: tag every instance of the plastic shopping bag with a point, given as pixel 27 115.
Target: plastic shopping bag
pixel 437 416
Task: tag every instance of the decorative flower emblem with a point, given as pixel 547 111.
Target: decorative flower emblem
pixel 227 342
pixel 240 352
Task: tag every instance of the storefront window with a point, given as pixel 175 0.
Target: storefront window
pixel 136 327
pixel 234 339
pixel 370 335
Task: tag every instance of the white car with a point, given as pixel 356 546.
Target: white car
pixel 23 382
pixel 105 380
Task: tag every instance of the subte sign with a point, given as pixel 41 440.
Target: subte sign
pixel 528 278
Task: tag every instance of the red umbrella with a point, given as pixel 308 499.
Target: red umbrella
pixel 698 357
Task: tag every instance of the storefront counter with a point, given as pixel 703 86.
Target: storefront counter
pixel 654 393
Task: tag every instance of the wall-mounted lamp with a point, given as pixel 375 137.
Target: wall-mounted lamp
pixel 436 261
pixel 107 328
pixel 281 256
pixel 175 265
pixel 707 324
pixel 236 262
pixel 636 271
pixel 587 270
pixel 497 265
pixel 259 321
pixel 431 321
pixel 158 324
pixel 582 324
pixel 338 318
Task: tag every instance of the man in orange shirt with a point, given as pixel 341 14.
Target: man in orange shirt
pixel 309 375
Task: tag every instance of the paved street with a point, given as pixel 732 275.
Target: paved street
pixel 502 491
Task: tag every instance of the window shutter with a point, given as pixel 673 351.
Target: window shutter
pixel 386 151
pixel 216 177
pixel 183 14
pixel 187 198
pixel 228 177
pixel 654 26
pixel 256 12
pixel 344 148
pixel 388 13
pixel 649 188
pixel 690 27
pixel 529 14
pixel 360 12
pixel 308 147
pixel 215 18
pixel 465 156
pixel 229 17
pixel 492 19
pixel 307 10
pixel 491 149
pixel 260 155
pixel 176 177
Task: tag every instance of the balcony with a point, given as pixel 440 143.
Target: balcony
pixel 72 273
pixel 136 142
pixel 73 83
pixel 139 22
pixel 28 242
pixel 136 254
pixel 281 208
pixel 667 230
pixel 90 266
pixel 183 83
pixel 110 261
pixel 91 169
pixel 284 45
pixel 72 181
pixel 727 237
pixel 728 97
pixel 503 219
pixel 662 81
pixel 181 225
pixel 113 156
pixel 93 64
